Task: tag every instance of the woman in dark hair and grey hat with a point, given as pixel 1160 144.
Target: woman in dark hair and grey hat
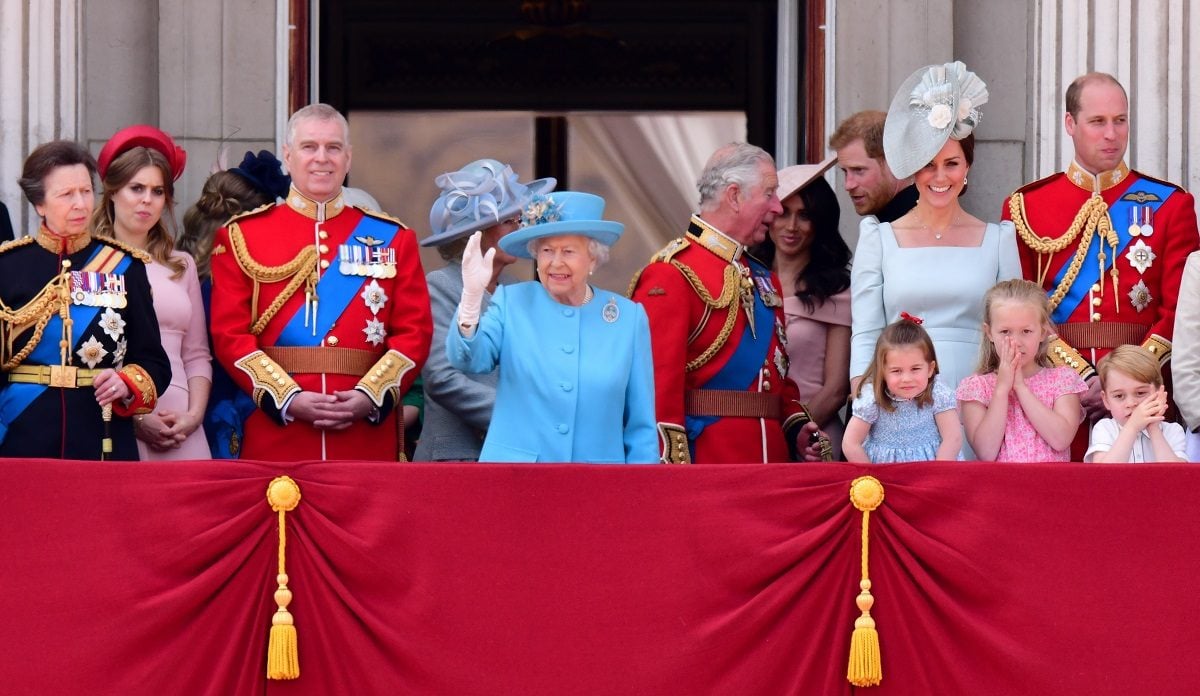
pixel 487 197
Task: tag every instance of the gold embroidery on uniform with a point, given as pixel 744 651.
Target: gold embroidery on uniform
pixel 268 378
pixel 385 376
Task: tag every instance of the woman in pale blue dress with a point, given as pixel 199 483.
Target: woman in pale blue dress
pixel 937 261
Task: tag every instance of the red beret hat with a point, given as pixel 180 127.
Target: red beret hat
pixel 142 136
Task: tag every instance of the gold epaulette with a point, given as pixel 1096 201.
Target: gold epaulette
pixel 16 243
pixel 139 254
pixel 663 255
pixel 669 251
pixel 248 213
pixel 1159 347
pixel 381 216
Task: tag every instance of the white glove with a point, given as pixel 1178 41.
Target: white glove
pixel 476 274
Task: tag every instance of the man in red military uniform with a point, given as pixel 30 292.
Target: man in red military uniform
pixel 320 310
pixel 716 324
pixel 1107 243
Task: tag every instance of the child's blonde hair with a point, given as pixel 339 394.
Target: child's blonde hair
pixel 899 334
pixel 1016 291
pixel 1135 361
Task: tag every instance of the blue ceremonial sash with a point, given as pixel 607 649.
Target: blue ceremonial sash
pixel 335 290
pixel 17 396
pixel 742 367
pixel 1089 272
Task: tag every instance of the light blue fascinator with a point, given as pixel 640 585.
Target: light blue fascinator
pixel 935 103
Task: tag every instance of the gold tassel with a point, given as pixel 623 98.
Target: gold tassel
pixel 865 667
pixel 283 661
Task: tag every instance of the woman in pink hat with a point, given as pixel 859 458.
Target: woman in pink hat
pixel 806 251
pixel 138 168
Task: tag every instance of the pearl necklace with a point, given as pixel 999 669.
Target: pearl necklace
pixel 587 296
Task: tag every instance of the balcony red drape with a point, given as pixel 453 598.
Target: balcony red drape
pixel 143 578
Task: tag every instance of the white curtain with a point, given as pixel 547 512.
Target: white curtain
pixel 645 166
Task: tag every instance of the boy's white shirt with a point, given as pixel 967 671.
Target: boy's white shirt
pixel 1105 431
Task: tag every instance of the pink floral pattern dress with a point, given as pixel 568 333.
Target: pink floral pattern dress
pixel 1021 442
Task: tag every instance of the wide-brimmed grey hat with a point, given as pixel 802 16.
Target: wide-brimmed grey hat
pixel 481 194
pixel 935 103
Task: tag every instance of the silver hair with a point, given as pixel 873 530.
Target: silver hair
pixel 735 163
pixel 598 251
pixel 316 112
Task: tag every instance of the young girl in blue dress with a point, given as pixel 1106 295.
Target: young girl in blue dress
pixel 901 411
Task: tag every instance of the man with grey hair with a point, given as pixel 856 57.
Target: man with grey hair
pixel 716 324
pixel 320 310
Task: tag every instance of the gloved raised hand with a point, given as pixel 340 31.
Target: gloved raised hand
pixel 476 274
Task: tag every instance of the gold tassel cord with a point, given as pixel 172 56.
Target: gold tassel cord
pixel 283 662
pixel 865 667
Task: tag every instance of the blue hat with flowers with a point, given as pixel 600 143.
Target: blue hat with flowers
pixel 562 212
pixel 481 194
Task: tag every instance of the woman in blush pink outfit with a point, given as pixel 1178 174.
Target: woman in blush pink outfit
pixel 807 252
pixel 138 167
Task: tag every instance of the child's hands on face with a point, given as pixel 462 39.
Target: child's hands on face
pixel 1152 410
pixel 1009 370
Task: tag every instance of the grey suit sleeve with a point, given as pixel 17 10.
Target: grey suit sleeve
pixel 451 388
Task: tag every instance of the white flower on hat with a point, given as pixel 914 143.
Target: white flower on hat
pixel 964 107
pixel 940 116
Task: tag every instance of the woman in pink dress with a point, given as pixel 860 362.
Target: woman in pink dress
pixel 810 257
pixel 138 167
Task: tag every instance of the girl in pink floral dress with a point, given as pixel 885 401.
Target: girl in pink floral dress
pixel 1017 408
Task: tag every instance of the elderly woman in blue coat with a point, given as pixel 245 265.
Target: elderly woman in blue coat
pixel 576 371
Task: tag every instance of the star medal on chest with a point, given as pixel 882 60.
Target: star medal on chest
pixel 119 353
pixel 91 352
pixel 611 312
pixel 781 362
pixel 1140 256
pixel 374 297
pixel 1139 296
pixel 375 332
pixel 112 323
